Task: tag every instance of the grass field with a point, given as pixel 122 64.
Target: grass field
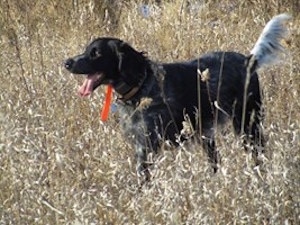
pixel 59 164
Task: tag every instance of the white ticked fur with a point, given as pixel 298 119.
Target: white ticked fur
pixel 268 45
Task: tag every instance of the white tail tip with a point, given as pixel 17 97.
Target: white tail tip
pixel 268 45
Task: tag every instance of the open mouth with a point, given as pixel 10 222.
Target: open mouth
pixel 90 84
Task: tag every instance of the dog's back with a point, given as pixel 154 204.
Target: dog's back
pixel 222 77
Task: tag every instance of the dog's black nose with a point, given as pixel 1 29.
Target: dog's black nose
pixel 69 64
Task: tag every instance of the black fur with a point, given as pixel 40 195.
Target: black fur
pixel 173 90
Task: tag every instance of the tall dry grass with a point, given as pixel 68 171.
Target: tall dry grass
pixel 60 165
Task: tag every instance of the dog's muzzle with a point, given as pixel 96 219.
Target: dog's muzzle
pixel 79 65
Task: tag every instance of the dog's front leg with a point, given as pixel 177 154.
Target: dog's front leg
pixel 142 162
pixel 146 142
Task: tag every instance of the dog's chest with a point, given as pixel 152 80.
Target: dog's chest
pixel 130 119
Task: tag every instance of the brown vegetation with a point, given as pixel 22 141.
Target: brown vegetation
pixel 60 165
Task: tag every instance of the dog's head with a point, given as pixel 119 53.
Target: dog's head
pixel 109 61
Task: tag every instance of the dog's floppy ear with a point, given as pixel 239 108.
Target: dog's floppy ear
pixel 129 57
pixel 132 64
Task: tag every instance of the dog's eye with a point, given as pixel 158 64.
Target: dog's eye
pixel 95 53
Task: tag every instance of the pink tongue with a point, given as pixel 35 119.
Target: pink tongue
pixel 87 87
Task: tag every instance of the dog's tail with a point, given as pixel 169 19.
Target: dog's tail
pixel 267 47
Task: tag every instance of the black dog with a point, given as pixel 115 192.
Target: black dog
pixel 210 90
